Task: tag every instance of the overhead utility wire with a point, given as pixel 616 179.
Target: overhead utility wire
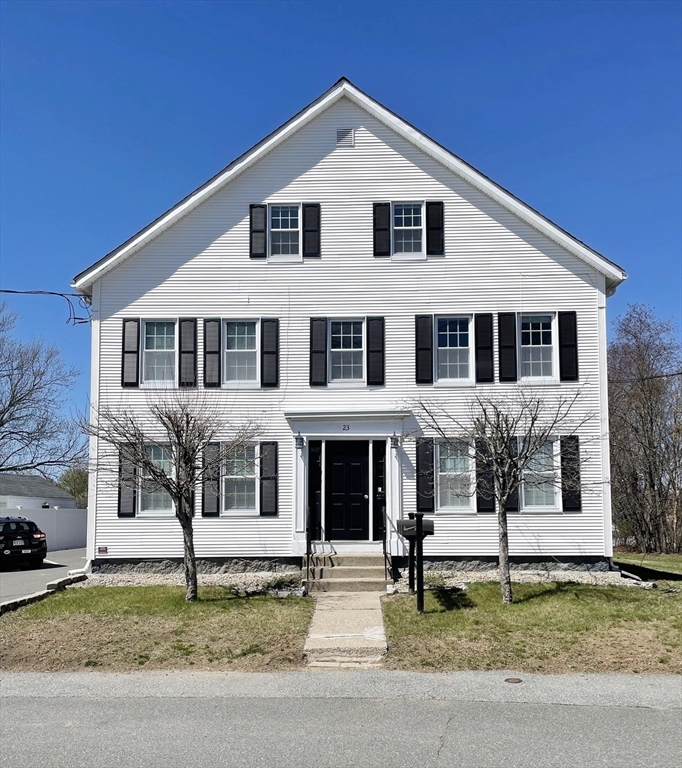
pixel 73 318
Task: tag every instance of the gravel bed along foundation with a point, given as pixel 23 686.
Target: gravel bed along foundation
pixel 434 578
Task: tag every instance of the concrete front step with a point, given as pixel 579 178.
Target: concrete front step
pixel 347 585
pixel 367 561
pixel 348 572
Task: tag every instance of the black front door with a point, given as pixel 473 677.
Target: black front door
pixel 347 490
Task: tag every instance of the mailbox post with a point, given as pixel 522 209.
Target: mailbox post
pixel 415 529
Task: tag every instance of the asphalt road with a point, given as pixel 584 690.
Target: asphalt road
pixel 330 719
pixel 17 582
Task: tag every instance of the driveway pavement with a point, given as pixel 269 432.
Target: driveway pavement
pixel 333 719
pixel 17 582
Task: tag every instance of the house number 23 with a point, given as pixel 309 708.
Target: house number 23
pixel 345 427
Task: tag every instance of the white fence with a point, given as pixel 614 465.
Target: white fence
pixel 64 528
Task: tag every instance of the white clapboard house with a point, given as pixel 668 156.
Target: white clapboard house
pixel 342 268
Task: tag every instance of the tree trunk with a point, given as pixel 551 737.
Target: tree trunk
pixel 190 561
pixel 505 576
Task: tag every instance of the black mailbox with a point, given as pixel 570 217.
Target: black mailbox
pixel 408 528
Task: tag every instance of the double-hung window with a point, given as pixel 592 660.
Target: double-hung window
pixel 407 228
pixel 285 231
pixel 158 353
pixel 453 349
pixel 154 500
pixel 455 476
pixel 346 350
pixel 540 479
pixel 240 487
pixel 537 346
pixel 241 351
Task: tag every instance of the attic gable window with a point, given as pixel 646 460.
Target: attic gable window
pixel 407 228
pixel 285 224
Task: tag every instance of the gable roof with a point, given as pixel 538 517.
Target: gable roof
pixel 32 486
pixel 344 88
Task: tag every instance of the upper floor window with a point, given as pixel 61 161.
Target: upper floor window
pixel 284 230
pixel 239 482
pixel 407 228
pixel 540 479
pixel 154 500
pixel 537 348
pixel 346 350
pixel 241 351
pixel 453 348
pixel 158 352
pixel 455 476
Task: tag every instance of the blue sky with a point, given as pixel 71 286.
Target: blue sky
pixel 113 111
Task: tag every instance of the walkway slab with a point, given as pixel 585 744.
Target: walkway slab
pixel 347 630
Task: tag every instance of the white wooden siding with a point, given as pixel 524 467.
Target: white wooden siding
pixel 201 268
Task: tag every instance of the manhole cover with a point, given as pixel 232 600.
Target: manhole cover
pixel 513 680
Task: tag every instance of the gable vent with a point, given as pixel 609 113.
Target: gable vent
pixel 345 137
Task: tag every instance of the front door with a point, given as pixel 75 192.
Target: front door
pixel 347 490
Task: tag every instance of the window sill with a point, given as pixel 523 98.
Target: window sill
pixel 293 259
pixel 454 383
pixel 156 515
pixel 452 512
pixel 241 385
pixel 157 385
pixel 347 384
pixel 541 511
pixel 240 513
pixel 408 257
pixel 539 381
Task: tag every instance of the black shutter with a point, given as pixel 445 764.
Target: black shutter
pixel 435 243
pixel 210 496
pixel 127 488
pixel 506 333
pixel 568 346
pixel 426 489
pixel 318 351
pixel 375 351
pixel 268 479
pixel 423 342
pixel 382 229
pixel 512 504
pixel 258 241
pixel 212 353
pixel 311 230
pixel 188 352
pixel 570 474
pixel 130 360
pixel 485 488
pixel 269 352
pixel 484 348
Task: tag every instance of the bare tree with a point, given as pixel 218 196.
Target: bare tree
pixel 195 442
pixel 645 414
pixel 35 435
pixel 506 438
pixel 75 482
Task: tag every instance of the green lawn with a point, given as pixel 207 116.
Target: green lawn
pixel 550 628
pixel 670 563
pixel 126 628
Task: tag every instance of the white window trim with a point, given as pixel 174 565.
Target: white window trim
pixel 468 382
pixel 233 384
pixel 554 378
pixel 143 334
pixel 470 508
pixel 151 513
pixel 223 477
pixel 346 383
pixel 556 487
pixel 421 256
pixel 286 258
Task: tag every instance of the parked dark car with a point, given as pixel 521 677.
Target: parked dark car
pixel 21 541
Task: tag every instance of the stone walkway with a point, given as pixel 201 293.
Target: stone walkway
pixel 347 630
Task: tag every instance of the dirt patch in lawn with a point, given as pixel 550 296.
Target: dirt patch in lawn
pixel 124 629
pixel 552 628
